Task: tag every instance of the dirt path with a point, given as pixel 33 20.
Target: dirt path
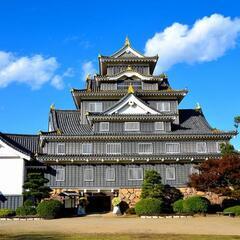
pixel 105 224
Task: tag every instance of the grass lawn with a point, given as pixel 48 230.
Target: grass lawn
pixel 115 237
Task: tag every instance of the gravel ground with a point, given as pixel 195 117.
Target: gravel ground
pixel 211 225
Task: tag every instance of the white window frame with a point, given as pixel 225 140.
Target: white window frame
pixel 93 105
pixel 135 179
pixel 126 127
pixel 151 152
pixel 218 148
pixel 86 153
pixel 60 169
pixel 106 176
pixel 174 144
pixel 161 106
pixel 84 174
pixel 197 147
pixel 174 173
pixel 101 129
pixel 156 124
pixel 113 153
pixel 59 145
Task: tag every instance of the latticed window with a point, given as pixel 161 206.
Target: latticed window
pixel 159 126
pixel 60 174
pixel 104 126
pixel 145 148
pixel 110 174
pixel 61 148
pixel 218 146
pixel 135 174
pixel 170 173
pixel 95 107
pixel 172 147
pixel 201 147
pixel 163 106
pixel 132 126
pixel 88 174
pixel 113 148
pixel 87 148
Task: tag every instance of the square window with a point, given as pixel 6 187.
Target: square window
pixel 88 174
pixel 201 147
pixel 132 126
pixel 110 174
pixel 159 126
pixel 145 148
pixel 87 148
pixel 170 173
pixel 113 148
pixel 95 107
pixel 104 126
pixel 135 174
pixel 61 148
pixel 60 174
pixel 172 148
pixel 164 106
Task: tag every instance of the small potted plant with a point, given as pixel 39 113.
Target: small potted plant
pixel 116 209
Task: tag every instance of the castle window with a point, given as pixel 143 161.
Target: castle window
pixel 88 174
pixel 145 148
pixel 159 126
pixel 60 174
pixel 104 126
pixel 87 148
pixel 61 148
pixel 172 148
pixel 110 174
pixel 132 126
pixel 218 146
pixel 113 148
pixel 170 173
pixel 135 174
pixel 201 147
pixel 95 107
pixel 163 106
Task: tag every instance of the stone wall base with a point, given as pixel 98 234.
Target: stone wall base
pixel 130 195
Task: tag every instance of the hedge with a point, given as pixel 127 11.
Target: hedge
pixel 26 211
pixel 5 212
pixel 149 206
pixel 234 209
pixel 178 206
pixel 49 209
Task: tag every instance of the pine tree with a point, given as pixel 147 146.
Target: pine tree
pixel 34 187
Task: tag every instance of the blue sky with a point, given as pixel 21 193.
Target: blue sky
pixel 46 48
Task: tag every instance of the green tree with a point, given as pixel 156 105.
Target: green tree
pixel 152 186
pixel 227 149
pixel 35 187
pixel 237 121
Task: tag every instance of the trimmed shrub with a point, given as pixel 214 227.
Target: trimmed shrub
pixel 49 209
pixel 131 211
pixel 178 206
pixel 5 212
pixel 149 206
pixel 235 210
pixel 26 211
pixel 196 204
pixel 28 203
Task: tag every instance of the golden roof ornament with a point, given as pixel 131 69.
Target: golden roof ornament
pixel 198 107
pixel 88 77
pixel 129 68
pixel 59 132
pixel 130 88
pixel 52 107
pixel 127 42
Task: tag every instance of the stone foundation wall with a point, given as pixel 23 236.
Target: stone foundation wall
pixel 130 195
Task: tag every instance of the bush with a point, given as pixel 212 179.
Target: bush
pixel 49 209
pixel 116 201
pixel 235 210
pixel 149 206
pixel 178 206
pixel 196 204
pixel 26 211
pixel 28 203
pixel 5 212
pixel 131 211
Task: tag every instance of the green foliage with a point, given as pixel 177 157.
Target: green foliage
pixel 149 206
pixel 152 186
pixel 116 201
pixel 35 188
pixel 5 212
pixel 227 149
pixel 26 211
pixel 195 204
pixel 130 211
pixel 178 206
pixel 28 203
pixel 237 121
pixel 49 209
pixel 235 210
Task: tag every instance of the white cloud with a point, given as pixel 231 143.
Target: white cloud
pixel 33 71
pixel 88 68
pixel 207 40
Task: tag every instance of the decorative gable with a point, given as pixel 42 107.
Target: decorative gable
pixel 130 104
